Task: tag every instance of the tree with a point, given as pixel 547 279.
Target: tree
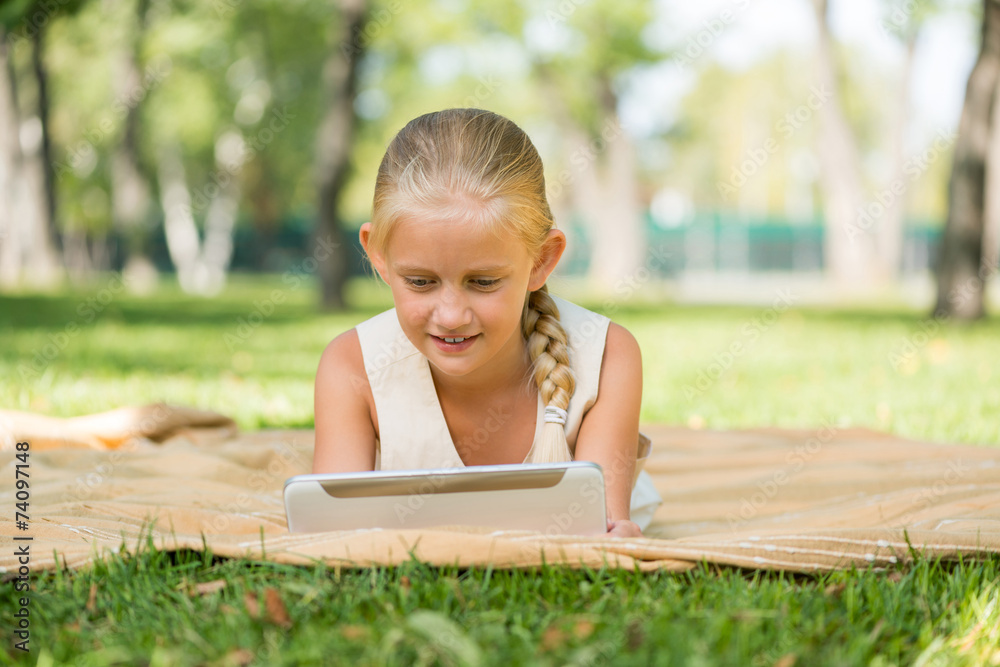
pixel 889 234
pixel 198 147
pixel 234 102
pixel 29 239
pixel 333 147
pixel 585 87
pixel 906 22
pixel 848 250
pixel 961 271
pixel 581 85
pixel 130 187
pixel 201 264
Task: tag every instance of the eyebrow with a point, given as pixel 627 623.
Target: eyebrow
pixel 412 268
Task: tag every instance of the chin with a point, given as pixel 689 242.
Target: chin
pixel 452 367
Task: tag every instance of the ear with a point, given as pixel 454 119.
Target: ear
pixel 377 260
pixel 548 258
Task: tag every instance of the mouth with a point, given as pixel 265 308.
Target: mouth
pixel 454 343
pixel 455 339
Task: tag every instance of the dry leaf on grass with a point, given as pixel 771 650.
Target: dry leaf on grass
pixel 240 657
pixel 787 660
pixel 583 628
pixel 92 598
pixel 580 626
pixel 353 632
pixel 835 589
pixel 252 604
pixel 553 638
pixel 276 611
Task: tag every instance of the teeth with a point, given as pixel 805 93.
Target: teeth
pixel 453 340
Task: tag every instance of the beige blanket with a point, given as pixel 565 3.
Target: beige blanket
pixel 766 498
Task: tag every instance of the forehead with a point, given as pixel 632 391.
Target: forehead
pixel 446 242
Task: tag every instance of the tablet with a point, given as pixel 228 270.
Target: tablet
pixel 554 498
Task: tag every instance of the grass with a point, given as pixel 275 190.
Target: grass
pixel 797 368
pixel 97 348
pixel 146 608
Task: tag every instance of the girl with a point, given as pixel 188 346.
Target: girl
pixel 477 364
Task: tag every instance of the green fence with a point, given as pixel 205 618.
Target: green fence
pixel 724 242
pixel 711 241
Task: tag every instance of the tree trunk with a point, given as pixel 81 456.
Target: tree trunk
pixel 605 195
pixel 333 154
pixel 45 148
pixel 130 192
pixel 201 268
pixel 847 245
pixel 619 244
pixel 603 188
pixel 10 156
pixel 889 236
pixel 76 255
pixel 991 223
pixel 26 245
pixel 584 185
pixel 960 269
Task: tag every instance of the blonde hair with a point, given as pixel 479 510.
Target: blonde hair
pixel 448 159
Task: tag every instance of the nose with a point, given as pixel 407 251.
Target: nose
pixel 452 311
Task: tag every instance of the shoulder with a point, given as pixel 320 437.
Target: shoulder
pixel 622 355
pixel 346 422
pixel 344 348
pixel 342 360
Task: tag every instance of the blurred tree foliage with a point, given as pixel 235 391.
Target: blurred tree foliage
pixel 235 89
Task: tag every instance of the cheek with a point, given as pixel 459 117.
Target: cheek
pixel 506 311
pixel 404 304
pixel 411 311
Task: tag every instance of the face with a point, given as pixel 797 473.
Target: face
pixel 459 293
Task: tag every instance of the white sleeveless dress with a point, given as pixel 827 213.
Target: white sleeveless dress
pixel 412 428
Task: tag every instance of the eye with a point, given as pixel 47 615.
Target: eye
pixel 416 282
pixel 486 283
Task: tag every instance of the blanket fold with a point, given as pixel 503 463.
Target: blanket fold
pixel 796 500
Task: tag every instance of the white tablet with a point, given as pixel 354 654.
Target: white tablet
pixel 554 498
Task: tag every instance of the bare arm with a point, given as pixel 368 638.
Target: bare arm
pixel 344 409
pixel 609 434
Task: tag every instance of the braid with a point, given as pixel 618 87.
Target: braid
pixel 549 354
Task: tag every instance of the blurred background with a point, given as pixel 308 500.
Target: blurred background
pixel 698 151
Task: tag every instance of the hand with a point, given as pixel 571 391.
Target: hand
pixel 623 528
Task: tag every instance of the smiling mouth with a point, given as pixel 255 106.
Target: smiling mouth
pixel 455 339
